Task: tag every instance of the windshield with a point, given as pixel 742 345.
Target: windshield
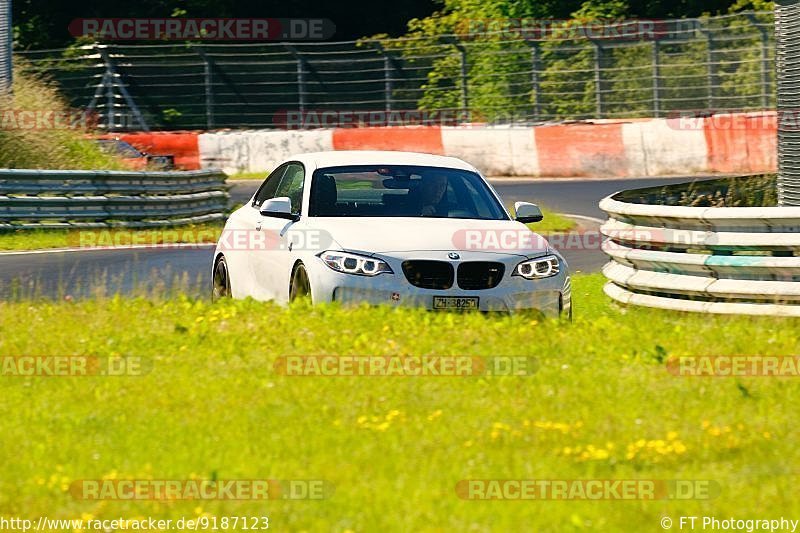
pixel 402 191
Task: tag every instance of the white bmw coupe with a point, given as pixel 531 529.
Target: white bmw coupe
pixel 388 228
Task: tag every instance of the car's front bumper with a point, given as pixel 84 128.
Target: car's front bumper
pixel 551 296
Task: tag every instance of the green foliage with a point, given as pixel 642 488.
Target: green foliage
pixel 54 148
pixel 500 63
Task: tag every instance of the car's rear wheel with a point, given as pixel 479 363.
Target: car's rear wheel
pixel 222 280
pixel 300 287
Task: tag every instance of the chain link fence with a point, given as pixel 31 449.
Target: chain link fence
pixel 703 65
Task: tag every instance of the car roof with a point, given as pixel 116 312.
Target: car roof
pixel 378 157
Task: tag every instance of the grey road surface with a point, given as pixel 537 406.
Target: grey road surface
pixel 78 273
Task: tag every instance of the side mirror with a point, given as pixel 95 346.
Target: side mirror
pixel 527 212
pixel 278 208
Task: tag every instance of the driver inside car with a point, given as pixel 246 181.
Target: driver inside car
pixel 431 193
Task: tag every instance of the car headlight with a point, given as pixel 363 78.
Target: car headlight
pixel 354 264
pixel 542 267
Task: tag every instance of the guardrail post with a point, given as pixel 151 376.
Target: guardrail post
pixel 711 77
pixel 388 70
pixel 536 62
pixel 108 84
pixel 656 80
pixel 598 79
pixel 387 83
pixel 208 82
pixel 301 78
pixel 464 68
pixel 764 68
pixel 764 59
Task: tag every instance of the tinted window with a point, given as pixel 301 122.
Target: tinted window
pixel 292 186
pixel 402 191
pixel 270 186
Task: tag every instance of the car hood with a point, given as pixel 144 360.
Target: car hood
pixel 398 235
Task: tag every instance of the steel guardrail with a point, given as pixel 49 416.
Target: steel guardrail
pixel 91 199
pixel 727 260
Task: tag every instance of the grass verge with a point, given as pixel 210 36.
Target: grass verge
pixel 40 239
pixel 601 406
pixel 248 176
pixel 553 223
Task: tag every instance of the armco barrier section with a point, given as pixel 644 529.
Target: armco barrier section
pixel 89 199
pixel 732 143
pixel 728 260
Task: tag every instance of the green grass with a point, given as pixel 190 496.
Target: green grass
pixel 39 239
pixel 553 223
pixel 394 448
pixel 248 176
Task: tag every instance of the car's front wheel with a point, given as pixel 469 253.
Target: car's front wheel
pixel 562 312
pixel 300 286
pixel 222 280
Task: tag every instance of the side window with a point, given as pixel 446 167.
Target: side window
pixel 270 185
pixel 292 186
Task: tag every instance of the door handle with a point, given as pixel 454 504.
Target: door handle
pixel 258 226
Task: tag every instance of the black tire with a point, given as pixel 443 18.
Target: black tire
pixel 300 286
pixel 222 280
pixel 568 313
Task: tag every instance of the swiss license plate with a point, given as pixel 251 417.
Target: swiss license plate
pixel 454 302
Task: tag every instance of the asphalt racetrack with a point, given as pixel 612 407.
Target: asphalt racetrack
pixel 57 274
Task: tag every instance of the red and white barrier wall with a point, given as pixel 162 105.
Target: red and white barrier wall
pixel 182 144
pixel 734 143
